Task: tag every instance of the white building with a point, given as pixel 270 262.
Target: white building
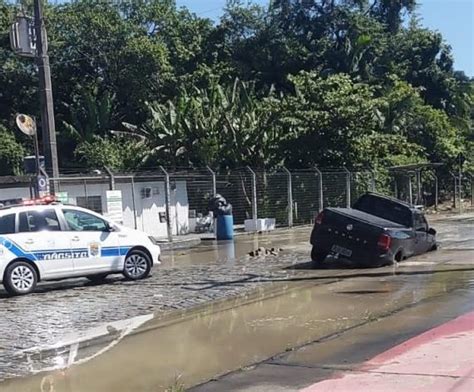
pixel 143 200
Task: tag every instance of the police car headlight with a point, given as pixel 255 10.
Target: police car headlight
pixel 153 240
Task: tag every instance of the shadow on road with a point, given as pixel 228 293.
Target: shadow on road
pixel 60 285
pixel 253 279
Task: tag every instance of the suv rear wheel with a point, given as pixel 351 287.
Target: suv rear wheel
pixel 318 256
pixel 20 278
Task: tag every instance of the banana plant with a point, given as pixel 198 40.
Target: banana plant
pixel 163 133
pixel 91 114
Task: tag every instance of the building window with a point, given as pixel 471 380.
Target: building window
pixel 93 203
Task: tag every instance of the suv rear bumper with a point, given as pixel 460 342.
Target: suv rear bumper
pixel 364 259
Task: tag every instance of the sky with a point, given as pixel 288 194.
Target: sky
pixel 454 19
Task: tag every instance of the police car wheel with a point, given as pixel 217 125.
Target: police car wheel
pixel 20 278
pixel 97 278
pixel 137 265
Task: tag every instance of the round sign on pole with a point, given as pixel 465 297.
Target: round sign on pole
pixel 42 184
pixel 26 124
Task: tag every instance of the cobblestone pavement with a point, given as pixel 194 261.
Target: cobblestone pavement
pixel 58 309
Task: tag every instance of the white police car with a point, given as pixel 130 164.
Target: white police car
pixel 49 241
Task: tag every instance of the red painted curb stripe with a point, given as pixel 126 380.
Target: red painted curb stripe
pixel 398 373
pixel 461 324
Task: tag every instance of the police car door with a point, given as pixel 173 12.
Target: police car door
pixel 95 248
pixel 41 239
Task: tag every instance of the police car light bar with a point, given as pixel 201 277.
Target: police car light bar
pixel 45 200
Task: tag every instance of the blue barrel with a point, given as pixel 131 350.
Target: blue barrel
pixel 225 227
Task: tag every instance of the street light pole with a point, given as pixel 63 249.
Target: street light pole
pixel 46 94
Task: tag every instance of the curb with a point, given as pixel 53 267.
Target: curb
pixel 179 244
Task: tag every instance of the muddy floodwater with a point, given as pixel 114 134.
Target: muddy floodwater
pixel 153 351
pixel 196 347
pixel 219 252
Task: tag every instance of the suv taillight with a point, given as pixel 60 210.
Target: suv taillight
pixel 384 242
pixel 319 218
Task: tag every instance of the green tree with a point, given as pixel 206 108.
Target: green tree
pixel 403 112
pixel 327 82
pixel 18 79
pixel 325 119
pixel 116 153
pixel 390 12
pixel 11 153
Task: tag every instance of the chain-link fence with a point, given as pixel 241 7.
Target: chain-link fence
pixel 273 196
pixel 166 203
pixel 306 196
pixel 361 182
pixel 336 188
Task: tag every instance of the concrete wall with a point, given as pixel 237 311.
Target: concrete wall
pixel 147 210
pixel 14 193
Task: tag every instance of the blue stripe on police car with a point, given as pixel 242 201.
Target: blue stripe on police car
pixel 59 254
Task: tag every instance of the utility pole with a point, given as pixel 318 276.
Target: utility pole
pixel 461 160
pixel 46 94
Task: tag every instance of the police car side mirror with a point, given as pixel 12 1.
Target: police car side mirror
pixel 108 227
pixel 431 231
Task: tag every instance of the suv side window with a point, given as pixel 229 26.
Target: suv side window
pixel 32 221
pixel 420 222
pixel 7 224
pixel 82 221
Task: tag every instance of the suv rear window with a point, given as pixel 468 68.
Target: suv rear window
pixel 7 224
pixel 385 209
pixel 31 221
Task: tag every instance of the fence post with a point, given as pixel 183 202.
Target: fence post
pixel 372 181
pixel 410 189
pixel 395 185
pixel 214 182
pixel 348 187
pixel 436 191
pixel 290 197
pixel 111 178
pixel 320 183
pixel 133 202
pixel 167 204
pixel 472 189
pixel 418 187
pixel 254 194
pixel 86 198
pixel 455 196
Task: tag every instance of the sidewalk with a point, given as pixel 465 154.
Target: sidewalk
pixel 441 359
